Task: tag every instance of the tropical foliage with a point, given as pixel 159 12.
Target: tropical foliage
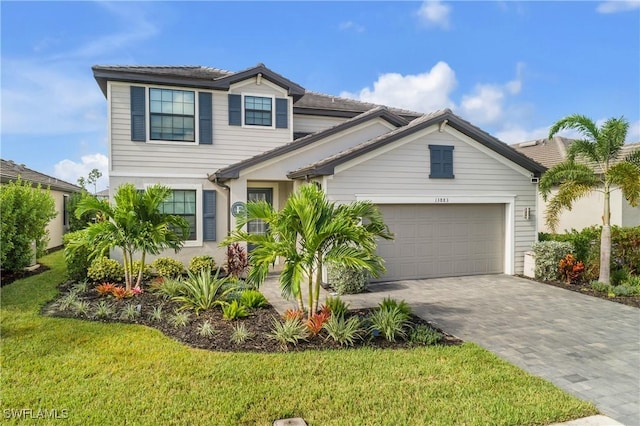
pixel 593 163
pixel 134 224
pixel 307 233
pixel 25 212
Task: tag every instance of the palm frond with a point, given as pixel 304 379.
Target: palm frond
pixel 583 124
pixel 612 136
pixel 627 176
pixel 568 193
pixel 633 158
pixel 568 173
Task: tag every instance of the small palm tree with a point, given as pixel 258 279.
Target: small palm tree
pixel 134 224
pixel 308 232
pixel 601 169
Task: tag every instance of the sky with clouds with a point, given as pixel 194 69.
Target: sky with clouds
pixel 511 68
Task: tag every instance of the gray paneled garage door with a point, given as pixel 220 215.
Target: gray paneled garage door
pixel 443 240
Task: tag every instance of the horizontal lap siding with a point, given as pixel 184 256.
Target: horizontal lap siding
pixel 313 124
pixel 230 143
pixel 405 171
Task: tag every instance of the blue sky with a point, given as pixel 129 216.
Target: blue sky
pixel 511 68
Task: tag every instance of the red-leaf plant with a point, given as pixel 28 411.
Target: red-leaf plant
pixel 571 268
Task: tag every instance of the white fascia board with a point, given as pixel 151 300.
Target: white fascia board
pixel 158 175
pixel 437 198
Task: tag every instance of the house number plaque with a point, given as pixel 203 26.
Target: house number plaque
pixel 441 200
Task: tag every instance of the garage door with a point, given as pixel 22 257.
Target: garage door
pixel 443 240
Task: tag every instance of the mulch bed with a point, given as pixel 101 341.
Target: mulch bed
pixel 7 277
pixel 260 324
pixel 585 288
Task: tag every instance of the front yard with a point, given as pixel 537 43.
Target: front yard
pixel 108 373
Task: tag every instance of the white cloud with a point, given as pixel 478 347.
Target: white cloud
pixel 486 104
pixel 424 92
pixel 435 14
pixel 351 26
pixel 633 135
pixel 512 133
pixel 70 170
pixel 617 6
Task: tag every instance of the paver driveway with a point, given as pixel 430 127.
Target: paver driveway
pixel 586 346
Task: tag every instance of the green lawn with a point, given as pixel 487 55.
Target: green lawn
pixel 117 374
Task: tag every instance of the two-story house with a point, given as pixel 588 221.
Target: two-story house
pixel 459 201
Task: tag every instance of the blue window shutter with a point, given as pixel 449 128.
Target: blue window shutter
pixel 235 110
pixel 209 215
pixel 205 116
pixel 282 113
pixel 138 105
pixel 441 161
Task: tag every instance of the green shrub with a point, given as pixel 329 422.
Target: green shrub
pixel 80 307
pixel 156 314
pixel 253 299
pixel 201 263
pixel 76 255
pixel 240 334
pixel 344 331
pixel 601 287
pixel 24 214
pixel 337 306
pixel 203 291
pixel 390 322
pixel 633 281
pixel 130 312
pixel 206 329
pixel 85 219
pixel 103 310
pixel 389 303
pixel 170 288
pixel 621 290
pixel 234 310
pixel 291 331
pixel 618 276
pixel 103 269
pixel 424 335
pixel 180 319
pixel 147 272
pixel 548 255
pixel 346 280
pixel 168 267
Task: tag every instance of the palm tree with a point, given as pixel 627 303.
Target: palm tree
pixel 600 169
pixel 134 224
pixel 308 232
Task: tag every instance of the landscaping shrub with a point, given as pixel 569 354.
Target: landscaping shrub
pixel 344 331
pixel 76 255
pixel 424 335
pixel 337 306
pixel 601 287
pixel 237 260
pixel 290 331
pixel 201 263
pixel 548 255
pixel 168 267
pixel 390 322
pixel 571 269
pixel 104 269
pixel 625 248
pixel 147 272
pixel 346 280
pixel 389 303
pixel 253 299
pixel 618 276
pixel 203 291
pixel 24 214
pixel 234 310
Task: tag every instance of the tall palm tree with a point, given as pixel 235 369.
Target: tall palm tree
pixel 308 232
pixel 134 224
pixel 600 168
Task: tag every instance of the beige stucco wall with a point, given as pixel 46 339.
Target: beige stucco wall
pixel 588 211
pixel 56 228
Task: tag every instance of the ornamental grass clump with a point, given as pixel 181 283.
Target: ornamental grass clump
pixel 390 322
pixel 344 331
pixel 291 331
pixel 203 291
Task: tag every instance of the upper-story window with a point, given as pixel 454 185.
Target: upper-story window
pixel 172 115
pixel 257 111
pixel 162 115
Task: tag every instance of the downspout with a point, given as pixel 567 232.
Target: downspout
pixel 216 180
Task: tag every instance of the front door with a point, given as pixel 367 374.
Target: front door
pixel 258 226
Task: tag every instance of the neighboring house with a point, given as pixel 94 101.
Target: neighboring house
pixel 60 191
pixel 459 201
pixel 103 195
pixel 588 210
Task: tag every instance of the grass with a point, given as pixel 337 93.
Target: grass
pixel 105 373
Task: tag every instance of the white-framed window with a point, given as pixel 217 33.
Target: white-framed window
pixel 172 115
pixel 258 111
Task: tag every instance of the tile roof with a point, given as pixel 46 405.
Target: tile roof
pixel 327 165
pixel 550 152
pixel 9 171
pixel 305 102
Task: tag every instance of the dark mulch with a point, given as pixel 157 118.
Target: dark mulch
pixel 7 277
pixel 585 288
pixel 260 324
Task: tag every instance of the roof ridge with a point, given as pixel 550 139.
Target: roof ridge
pixel 21 168
pixel 312 92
